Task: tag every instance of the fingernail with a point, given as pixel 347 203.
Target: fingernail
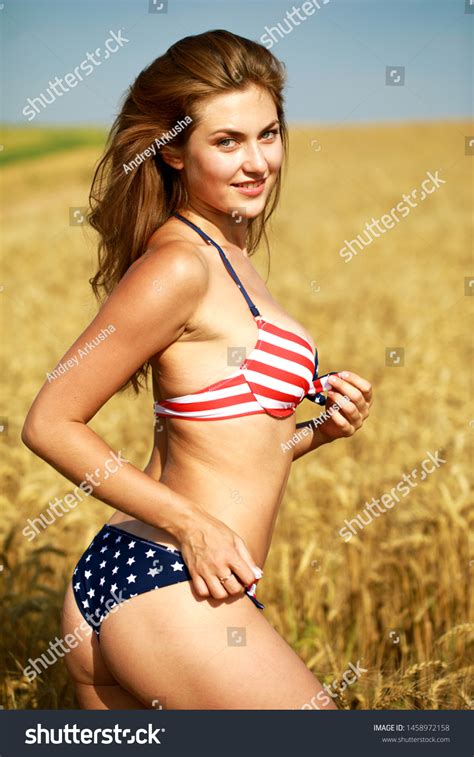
pixel 344 374
pixel 257 572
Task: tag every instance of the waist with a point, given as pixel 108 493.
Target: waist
pixel 248 506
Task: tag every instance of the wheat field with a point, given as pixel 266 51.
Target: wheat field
pixel 396 597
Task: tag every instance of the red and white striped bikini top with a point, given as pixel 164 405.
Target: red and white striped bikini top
pixel 280 371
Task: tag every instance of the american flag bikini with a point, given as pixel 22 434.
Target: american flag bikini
pixel 280 371
pixel 118 565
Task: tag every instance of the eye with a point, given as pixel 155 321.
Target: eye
pixel 227 139
pixel 225 142
pixel 272 131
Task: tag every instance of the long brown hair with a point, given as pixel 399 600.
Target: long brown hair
pixel 127 206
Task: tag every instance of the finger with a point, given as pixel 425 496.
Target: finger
pixel 347 409
pixel 216 587
pixel 347 389
pixel 233 586
pixel 200 586
pixel 198 583
pixel 346 428
pixel 242 571
pixel 247 570
pixel 348 377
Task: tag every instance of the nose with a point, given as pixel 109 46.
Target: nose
pixel 254 160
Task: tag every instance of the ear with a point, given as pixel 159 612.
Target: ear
pixel 173 158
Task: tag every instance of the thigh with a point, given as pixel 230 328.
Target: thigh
pixel 184 652
pixel 111 697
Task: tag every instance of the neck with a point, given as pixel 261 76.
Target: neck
pixel 221 227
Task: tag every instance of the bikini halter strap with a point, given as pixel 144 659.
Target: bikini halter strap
pixel 253 308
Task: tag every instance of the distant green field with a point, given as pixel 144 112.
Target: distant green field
pixel 24 142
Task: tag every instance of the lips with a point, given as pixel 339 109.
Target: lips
pixel 250 184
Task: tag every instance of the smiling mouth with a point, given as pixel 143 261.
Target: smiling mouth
pixel 250 184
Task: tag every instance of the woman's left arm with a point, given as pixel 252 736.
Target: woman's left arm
pixel 345 411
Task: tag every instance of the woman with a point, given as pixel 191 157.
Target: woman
pixel 177 227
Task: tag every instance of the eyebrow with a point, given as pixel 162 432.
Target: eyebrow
pixel 240 133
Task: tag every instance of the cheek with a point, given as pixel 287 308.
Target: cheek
pixel 213 168
pixel 275 157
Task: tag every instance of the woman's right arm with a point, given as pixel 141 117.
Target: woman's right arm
pixel 146 319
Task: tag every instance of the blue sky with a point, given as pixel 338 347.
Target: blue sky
pixel 336 58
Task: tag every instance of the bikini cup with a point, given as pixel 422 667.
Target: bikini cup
pixel 294 378
pixel 302 378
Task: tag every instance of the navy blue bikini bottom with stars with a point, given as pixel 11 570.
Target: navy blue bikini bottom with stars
pixel 118 565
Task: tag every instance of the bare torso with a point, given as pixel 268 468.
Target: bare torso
pixel 236 468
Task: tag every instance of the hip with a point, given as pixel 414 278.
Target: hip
pixel 117 566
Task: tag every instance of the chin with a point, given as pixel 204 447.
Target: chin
pixel 251 213
pixel 246 207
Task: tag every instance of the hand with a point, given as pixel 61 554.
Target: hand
pixel 346 421
pixel 211 551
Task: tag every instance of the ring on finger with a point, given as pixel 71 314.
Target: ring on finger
pixel 226 577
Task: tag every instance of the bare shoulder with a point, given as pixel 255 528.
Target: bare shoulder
pixel 146 312
pixel 174 261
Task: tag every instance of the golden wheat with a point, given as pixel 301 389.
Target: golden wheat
pixel 396 596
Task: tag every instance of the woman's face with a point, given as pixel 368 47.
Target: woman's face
pixel 236 141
